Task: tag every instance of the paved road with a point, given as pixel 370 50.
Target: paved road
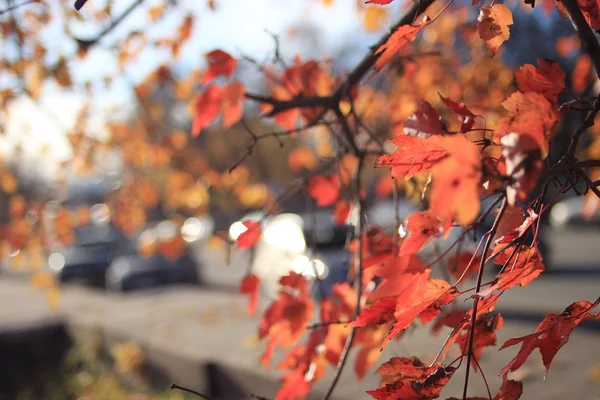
pixel 210 327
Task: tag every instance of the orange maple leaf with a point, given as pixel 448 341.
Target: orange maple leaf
pixel 548 79
pixel 324 189
pixel 220 63
pixel 414 156
pixel 455 182
pixel 207 109
pixel 402 36
pixel 231 106
pixel 528 114
pixel 492 25
pixel 421 226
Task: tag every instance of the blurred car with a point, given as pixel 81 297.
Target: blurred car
pixel 169 261
pixel 88 258
pixel 570 213
pixel 311 245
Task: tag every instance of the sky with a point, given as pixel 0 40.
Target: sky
pixel 238 27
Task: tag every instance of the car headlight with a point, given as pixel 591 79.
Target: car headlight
pixel 559 215
pixel 100 214
pixel 303 265
pixel 194 229
pixel 285 234
pixel 56 261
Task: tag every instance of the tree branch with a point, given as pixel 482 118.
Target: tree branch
pixel 586 35
pixel 357 282
pixel 14 7
pixel 79 4
pixel 184 389
pixel 354 77
pixel 566 167
pixel 87 43
pixel 296 102
pixel 486 248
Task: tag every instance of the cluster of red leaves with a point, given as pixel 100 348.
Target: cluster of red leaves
pixel 216 99
pixel 303 79
pixel 460 171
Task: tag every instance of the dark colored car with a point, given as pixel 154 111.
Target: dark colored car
pixel 131 270
pixel 89 257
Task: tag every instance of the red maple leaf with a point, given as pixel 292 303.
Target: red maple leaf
pixel 513 229
pixel 414 156
pixel 419 389
pixel 421 225
pixel 401 368
pixel 341 212
pixel 550 335
pixel 250 236
pixel 220 63
pixel 402 36
pixel 510 390
pixel 461 262
pixel 465 116
pixel 425 122
pixel 249 286
pixel 547 79
pixel 231 106
pixel 524 267
pixel 285 321
pixel 484 336
pixel 207 108
pixel 324 189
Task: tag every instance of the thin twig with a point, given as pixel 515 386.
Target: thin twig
pixel 486 248
pixel 357 281
pixel 87 43
pixel 184 389
pixel 353 78
pixel 14 7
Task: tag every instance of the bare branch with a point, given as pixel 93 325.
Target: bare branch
pixel 87 43
pixel 296 102
pixel 354 77
pixel 357 281
pixel 588 39
pixel 184 389
pixel 14 7
pixel 79 4
pixel 486 248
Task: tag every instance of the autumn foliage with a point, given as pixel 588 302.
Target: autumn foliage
pixel 412 116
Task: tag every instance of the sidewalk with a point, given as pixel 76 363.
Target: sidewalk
pixel 186 332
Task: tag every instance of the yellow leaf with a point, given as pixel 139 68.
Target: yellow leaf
pixel 345 107
pixel 156 12
pixel 374 18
